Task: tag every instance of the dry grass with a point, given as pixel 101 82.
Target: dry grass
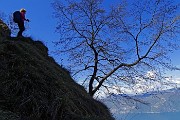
pixel 34 87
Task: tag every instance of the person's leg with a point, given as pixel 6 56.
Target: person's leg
pixel 21 29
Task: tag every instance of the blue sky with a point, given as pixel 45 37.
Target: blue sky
pixel 42 24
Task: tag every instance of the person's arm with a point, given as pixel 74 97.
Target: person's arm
pixel 23 17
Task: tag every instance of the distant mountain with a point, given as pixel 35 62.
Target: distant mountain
pixel 151 102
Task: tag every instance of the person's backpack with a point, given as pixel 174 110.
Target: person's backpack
pixel 17 16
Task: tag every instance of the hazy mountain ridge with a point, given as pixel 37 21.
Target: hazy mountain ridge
pixel 151 102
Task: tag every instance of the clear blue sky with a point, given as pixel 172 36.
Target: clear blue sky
pixel 42 25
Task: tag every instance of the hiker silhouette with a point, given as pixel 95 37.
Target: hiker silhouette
pixel 19 18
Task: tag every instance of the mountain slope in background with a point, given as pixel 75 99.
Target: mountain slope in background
pixel 152 102
pixel 34 87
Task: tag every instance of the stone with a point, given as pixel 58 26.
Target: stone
pixel 5 32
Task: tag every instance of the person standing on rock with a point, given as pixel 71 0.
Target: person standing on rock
pixel 19 18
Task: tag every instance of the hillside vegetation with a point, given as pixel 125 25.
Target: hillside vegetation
pixel 34 87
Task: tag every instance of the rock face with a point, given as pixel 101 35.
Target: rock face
pixel 4 30
pixel 34 87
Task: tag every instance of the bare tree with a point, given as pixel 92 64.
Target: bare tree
pixel 119 45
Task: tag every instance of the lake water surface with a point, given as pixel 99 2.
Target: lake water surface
pixel 149 116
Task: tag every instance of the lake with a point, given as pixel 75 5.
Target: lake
pixel 149 116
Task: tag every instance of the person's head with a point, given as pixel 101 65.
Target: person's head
pixel 23 10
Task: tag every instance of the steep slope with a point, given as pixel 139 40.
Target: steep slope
pixel 34 87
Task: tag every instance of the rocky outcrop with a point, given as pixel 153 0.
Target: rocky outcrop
pixel 4 30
